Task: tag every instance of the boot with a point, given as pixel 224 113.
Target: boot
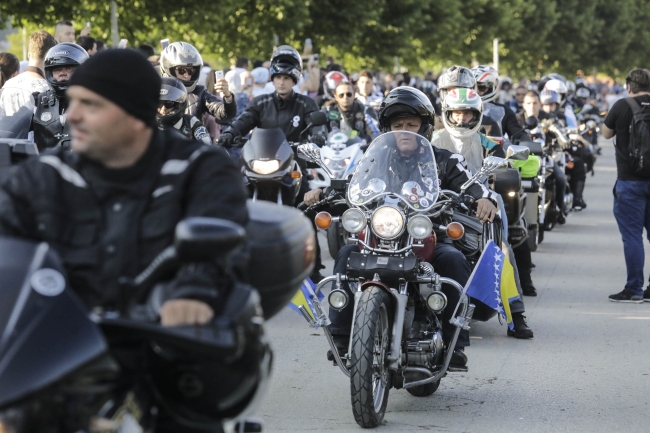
pixel 341 342
pixel 578 201
pixel 458 358
pixel 521 329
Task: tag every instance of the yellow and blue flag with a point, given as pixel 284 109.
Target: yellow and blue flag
pixel 304 296
pixel 493 281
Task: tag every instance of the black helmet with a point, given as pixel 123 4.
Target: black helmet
pixel 286 61
pixel 63 54
pixel 173 95
pixel 178 55
pixel 405 102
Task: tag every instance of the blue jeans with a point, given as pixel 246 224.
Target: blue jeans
pixel 632 212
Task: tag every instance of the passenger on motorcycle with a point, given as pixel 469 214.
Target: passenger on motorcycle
pixel 408 109
pixel 345 114
pixel 487 85
pixel 171 112
pixel 462 112
pixel 331 80
pixel 49 122
pixel 181 60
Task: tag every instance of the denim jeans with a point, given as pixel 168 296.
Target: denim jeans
pixel 632 212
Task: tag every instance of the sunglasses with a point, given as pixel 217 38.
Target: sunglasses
pixel 520 94
pixel 166 104
pixel 183 71
pixel 343 95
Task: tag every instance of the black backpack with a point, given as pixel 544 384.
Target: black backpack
pixel 639 146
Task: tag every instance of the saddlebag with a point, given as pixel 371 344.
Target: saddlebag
pixel 281 252
pixel 390 269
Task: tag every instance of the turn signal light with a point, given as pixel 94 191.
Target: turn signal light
pixel 323 220
pixel 296 175
pixel 455 231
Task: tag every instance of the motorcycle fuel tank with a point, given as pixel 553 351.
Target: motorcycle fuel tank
pixel 45 330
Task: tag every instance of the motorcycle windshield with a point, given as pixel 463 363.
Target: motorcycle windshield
pixel 400 164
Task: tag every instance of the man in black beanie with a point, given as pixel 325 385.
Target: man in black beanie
pixel 110 205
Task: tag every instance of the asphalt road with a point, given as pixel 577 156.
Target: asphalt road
pixel 586 370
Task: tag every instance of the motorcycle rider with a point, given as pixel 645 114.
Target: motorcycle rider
pixel 331 80
pixel 408 109
pixel 49 121
pixel 462 114
pixel 181 60
pixel 171 112
pixel 551 103
pixel 557 83
pixel 344 113
pixel 487 86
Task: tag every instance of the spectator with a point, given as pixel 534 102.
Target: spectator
pixel 631 191
pixel 9 67
pixel 17 92
pixel 516 104
pixel 64 31
pixel 88 43
pixel 101 45
pixel 146 50
pixel 367 93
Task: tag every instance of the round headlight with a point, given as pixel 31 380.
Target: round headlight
pixel 387 222
pixel 265 167
pixel 353 221
pixel 338 299
pixel 437 301
pixel 419 227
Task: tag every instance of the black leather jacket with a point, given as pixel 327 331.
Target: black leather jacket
pixel 109 224
pixel 46 123
pixel 200 102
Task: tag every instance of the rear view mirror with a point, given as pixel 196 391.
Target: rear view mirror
pixel 317 118
pixel 517 153
pixel 200 239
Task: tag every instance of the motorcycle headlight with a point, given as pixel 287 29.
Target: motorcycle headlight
pixel 338 299
pixel 265 167
pixel 437 301
pixel 387 222
pixel 353 221
pixel 419 227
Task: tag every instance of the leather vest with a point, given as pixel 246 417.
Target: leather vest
pixel 48 131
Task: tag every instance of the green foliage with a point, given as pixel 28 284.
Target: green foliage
pixel 536 36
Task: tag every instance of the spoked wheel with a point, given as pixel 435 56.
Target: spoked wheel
pixel 369 375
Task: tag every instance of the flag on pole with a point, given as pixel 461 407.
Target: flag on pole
pixel 304 296
pixel 493 281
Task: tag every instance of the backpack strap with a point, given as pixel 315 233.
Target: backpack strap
pixel 636 108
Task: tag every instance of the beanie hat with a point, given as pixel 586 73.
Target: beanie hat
pixel 125 78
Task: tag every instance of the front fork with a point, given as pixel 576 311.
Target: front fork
pixel 460 321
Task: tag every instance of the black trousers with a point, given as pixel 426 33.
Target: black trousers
pixel 447 262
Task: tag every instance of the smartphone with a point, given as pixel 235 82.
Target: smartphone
pixel 307 42
pixel 122 43
pixel 315 57
pixel 164 43
pixel 249 81
pixel 88 25
pixel 218 75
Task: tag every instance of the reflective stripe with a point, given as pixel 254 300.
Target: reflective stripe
pixel 66 172
pixel 162 190
pixel 177 166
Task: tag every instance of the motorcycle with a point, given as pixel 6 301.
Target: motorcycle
pixel 120 371
pixel 396 338
pixel 270 170
pixel 338 160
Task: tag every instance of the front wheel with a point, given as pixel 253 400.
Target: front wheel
pixel 336 238
pixel 369 375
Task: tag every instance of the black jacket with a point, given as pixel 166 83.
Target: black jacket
pixel 108 224
pixel 200 102
pixel 510 126
pixel 354 119
pixel 269 111
pixel 453 173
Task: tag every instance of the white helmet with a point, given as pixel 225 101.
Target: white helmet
pixel 181 55
pixel 456 76
pixel 558 87
pixel 462 99
pixel 488 77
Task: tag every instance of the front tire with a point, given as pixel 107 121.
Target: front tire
pixel 336 238
pixel 369 376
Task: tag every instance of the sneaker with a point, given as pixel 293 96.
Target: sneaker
pixel 626 297
pixel 646 295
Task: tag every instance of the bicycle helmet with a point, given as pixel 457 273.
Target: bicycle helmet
pixel 173 96
pixel 63 54
pixel 286 61
pixel 406 102
pixel 462 99
pixel 487 78
pixel 181 54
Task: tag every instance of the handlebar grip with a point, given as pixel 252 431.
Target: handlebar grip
pixel 302 206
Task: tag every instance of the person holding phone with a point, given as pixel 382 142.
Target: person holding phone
pixel 182 61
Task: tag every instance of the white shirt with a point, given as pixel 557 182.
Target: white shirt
pixel 17 92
